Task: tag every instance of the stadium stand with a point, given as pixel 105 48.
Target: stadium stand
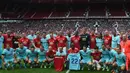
pixel 43 11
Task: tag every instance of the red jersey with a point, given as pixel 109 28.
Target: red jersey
pixel 76 41
pixel 52 43
pixel 125 46
pixel 92 42
pixel 50 54
pixel 61 41
pixel 96 55
pixel 25 41
pixel 127 61
pixel 8 39
pixel 76 50
pixel 59 63
pixel 37 42
pixel 107 40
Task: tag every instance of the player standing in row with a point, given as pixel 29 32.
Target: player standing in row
pixel 26 42
pixel 85 39
pixel 44 41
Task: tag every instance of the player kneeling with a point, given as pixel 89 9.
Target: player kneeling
pixel 112 53
pixel 21 55
pixel 32 57
pixel 105 57
pixel 96 57
pixel 59 60
pixel 119 62
pixel 50 56
pixel 41 57
pixel 8 57
pixel 86 58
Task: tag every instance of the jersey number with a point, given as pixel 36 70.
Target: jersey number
pixel 74 61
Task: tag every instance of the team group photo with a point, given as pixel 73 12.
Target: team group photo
pixel 65 36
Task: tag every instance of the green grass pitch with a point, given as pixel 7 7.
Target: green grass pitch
pixel 39 70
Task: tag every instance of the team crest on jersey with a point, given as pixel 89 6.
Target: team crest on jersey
pixel 9 39
pixel 92 39
pixel 61 41
pixel 75 41
pixel 10 53
pixel 106 41
pixel 24 42
pixel 119 57
pixel 84 39
pixel 114 39
pixel 51 43
pixel 38 42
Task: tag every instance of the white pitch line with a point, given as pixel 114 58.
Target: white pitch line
pixel 67 71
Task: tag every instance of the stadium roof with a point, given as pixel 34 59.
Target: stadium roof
pixel 68 1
